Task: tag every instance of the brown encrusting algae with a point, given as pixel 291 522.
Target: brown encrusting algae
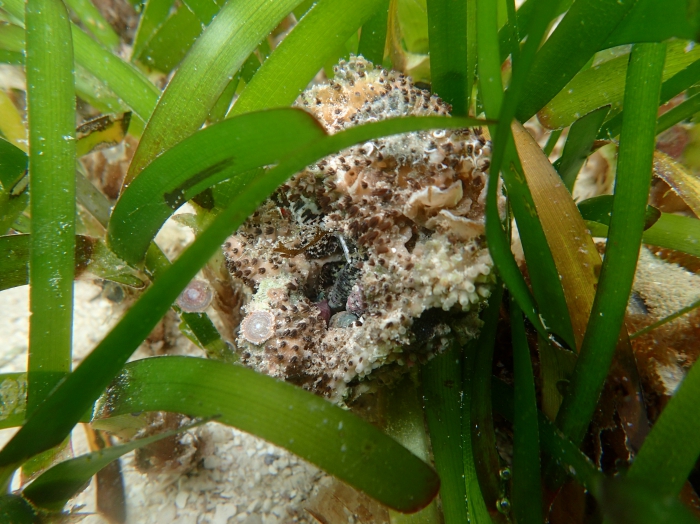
pixel 372 258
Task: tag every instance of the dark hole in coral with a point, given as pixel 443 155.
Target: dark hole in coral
pixel 325 281
pixel 424 326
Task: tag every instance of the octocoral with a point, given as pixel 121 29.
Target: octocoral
pixel 381 234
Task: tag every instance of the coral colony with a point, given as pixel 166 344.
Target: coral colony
pixel 372 258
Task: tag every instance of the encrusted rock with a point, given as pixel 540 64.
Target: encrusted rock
pixel 665 354
pixel 380 235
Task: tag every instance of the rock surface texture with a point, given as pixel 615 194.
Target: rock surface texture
pixel 373 259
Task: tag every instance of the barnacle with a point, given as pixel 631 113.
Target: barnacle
pixel 369 244
pixel 258 326
pixel 196 297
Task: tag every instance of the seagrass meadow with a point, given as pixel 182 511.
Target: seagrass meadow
pixel 444 253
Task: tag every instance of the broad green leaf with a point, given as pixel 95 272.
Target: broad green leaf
pixel 12 126
pixel 11 207
pixel 302 8
pixel 408 18
pixel 91 90
pixel 511 26
pixel 373 37
pixel 527 491
pixel 489 64
pixel 173 38
pixel 74 396
pixel 583 31
pixel 441 380
pixel 121 77
pixel 52 489
pixel 561 450
pixel 524 15
pixel 51 117
pixel 93 256
pixel 181 173
pixel 13 182
pixel 92 19
pixel 675 232
pixel 542 270
pixel 491 95
pixel 477 511
pixel 578 145
pixel 343 52
pixel 416 65
pixel 199 328
pixel 205 10
pixel 91 198
pixel 404 421
pixel 15 510
pixel 472 46
pixel 11 57
pixel 604 84
pixel 11 36
pixel 303 53
pixel 552 141
pixel 14 261
pixel 681 112
pixel 447 29
pixel 174 34
pixel 483 436
pixel 127 82
pixel 250 67
pixel 204 74
pixel 670 88
pixel 670 232
pixel 244 74
pixel 541 261
pixel 154 14
pixel 556 365
pixel 13 399
pixel 90 254
pixel 413 19
pixel 656 21
pixel 599 209
pixel 624 500
pixel 209 156
pixel 578 264
pixel 220 109
pixel 632 184
pixel 332 438
pixel 87 88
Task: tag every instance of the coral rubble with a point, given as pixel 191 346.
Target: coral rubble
pixel 666 353
pixel 373 257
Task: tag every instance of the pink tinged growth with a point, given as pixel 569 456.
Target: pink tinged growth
pixel 325 310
